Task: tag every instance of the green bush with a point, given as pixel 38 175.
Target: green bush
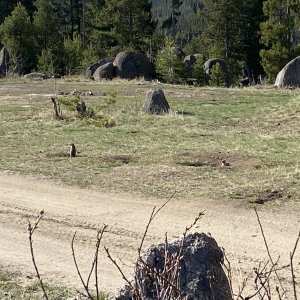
pixel 169 66
pixel 217 76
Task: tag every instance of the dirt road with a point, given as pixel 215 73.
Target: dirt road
pixel 69 209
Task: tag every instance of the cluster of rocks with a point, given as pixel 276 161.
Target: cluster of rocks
pixel 126 65
pixel 131 65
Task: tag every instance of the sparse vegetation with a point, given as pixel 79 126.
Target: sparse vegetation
pixel 11 288
pixel 255 130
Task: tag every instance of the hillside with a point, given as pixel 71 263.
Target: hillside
pixel 190 19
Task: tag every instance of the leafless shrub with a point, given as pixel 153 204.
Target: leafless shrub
pixel 94 267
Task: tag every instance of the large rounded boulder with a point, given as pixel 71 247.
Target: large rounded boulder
pixel 289 76
pixel 131 65
pixel 213 61
pixel 105 71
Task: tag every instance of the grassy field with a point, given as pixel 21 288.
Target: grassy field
pixel 256 130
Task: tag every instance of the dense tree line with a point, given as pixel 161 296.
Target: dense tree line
pixel 65 36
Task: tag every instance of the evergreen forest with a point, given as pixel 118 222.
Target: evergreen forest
pixel 66 36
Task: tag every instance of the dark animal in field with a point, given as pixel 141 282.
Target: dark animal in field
pixel 73 152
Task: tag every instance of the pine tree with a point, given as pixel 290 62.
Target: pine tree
pixel 17 37
pixel 46 25
pixel 169 66
pixel 6 7
pixel 48 38
pixel 217 77
pixel 73 54
pixel 279 34
pixel 251 39
pixel 128 23
pixel 224 32
pixel 199 72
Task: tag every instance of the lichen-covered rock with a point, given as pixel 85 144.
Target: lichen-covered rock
pixel 201 274
pixel 155 103
pixel 289 76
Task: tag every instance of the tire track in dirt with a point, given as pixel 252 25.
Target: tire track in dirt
pixel 68 209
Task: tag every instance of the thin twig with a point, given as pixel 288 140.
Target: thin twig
pixel 31 230
pixel 77 268
pixel 99 238
pixel 227 267
pixel 268 251
pixel 292 266
pixel 152 216
pixel 116 264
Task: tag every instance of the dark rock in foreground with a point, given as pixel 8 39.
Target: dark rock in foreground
pixel 201 273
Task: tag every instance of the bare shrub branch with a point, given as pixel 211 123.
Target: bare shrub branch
pixel 94 267
pixel 31 230
pixel 292 266
pixel 269 254
pixel 152 216
pixel 118 267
